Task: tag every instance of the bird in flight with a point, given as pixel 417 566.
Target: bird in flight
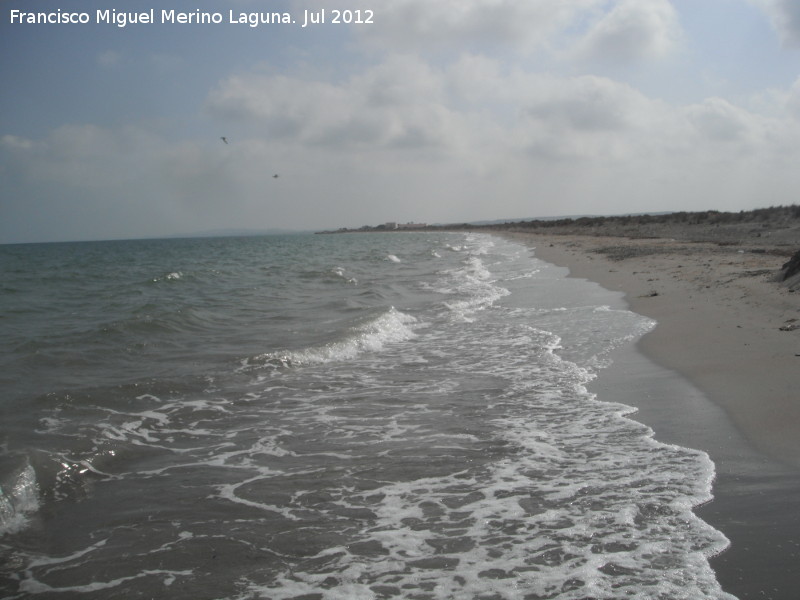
pixel 224 139
pixel 275 176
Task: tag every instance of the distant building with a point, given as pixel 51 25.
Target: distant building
pixel 411 225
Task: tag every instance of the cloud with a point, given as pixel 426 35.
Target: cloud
pixel 399 103
pixel 603 30
pixel 402 140
pixel 785 17
pixel 631 31
pixel 587 118
pixel 109 59
pixel 407 25
pixel 478 116
pixel 586 103
pixel 404 103
pixel 793 100
pixel 718 120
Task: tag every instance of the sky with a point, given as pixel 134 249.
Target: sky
pixel 442 111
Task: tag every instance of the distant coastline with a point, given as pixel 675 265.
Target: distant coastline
pixel 775 227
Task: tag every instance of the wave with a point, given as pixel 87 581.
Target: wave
pixel 371 336
pixel 474 287
pixel 172 276
pixel 19 498
pixel 341 273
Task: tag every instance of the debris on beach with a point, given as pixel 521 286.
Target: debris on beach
pixel 790 325
pixel 791 268
pixel 789 275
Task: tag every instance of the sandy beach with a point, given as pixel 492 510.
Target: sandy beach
pixel 724 323
pixel 718 373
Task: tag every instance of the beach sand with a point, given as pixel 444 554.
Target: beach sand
pixel 718 373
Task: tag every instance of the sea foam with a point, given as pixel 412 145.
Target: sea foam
pixel 19 498
pixel 371 336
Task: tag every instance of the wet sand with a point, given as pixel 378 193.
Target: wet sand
pixel 719 373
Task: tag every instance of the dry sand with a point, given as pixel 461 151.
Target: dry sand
pixel 723 322
pixel 731 330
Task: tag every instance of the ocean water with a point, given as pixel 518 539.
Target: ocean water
pixel 329 417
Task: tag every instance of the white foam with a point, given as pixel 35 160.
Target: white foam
pixel 34 586
pixel 472 285
pixel 18 500
pixel 172 276
pixel 341 273
pixel 390 327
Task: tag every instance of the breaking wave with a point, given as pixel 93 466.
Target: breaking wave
pixel 19 498
pixel 371 336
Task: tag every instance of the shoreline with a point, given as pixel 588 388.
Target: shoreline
pixel 717 374
pixel 720 317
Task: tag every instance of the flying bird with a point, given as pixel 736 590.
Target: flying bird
pixel 275 176
pixel 224 139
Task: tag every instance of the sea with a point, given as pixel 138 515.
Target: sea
pixel 323 417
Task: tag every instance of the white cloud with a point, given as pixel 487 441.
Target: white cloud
pixel 455 111
pixel 480 116
pixel 109 59
pixel 398 103
pixel 632 30
pixel 588 118
pixel 793 100
pixel 404 140
pixel 718 120
pixel 613 30
pixel 14 142
pixel 281 105
pixel 417 24
pixel 587 103
pixel 785 17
